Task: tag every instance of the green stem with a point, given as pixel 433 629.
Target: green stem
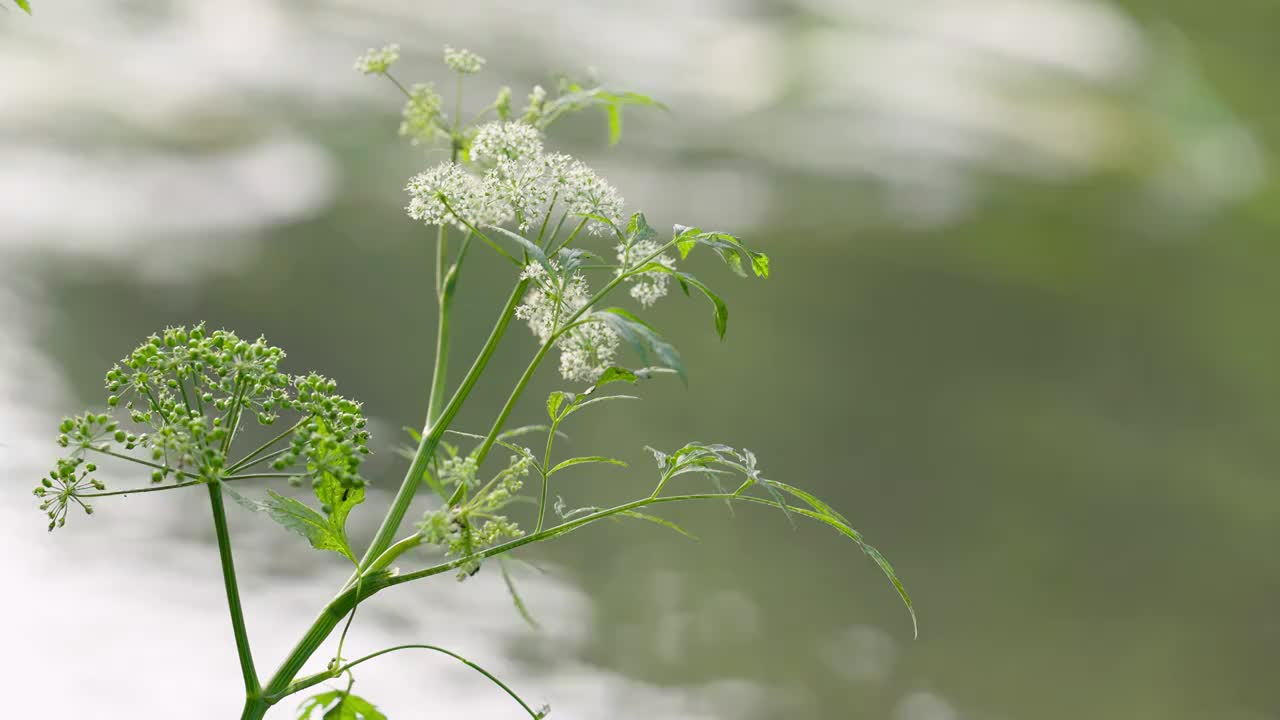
pixel 444 298
pixel 433 432
pixel 254 709
pixel 544 471
pixel 317 679
pixel 510 405
pixel 572 235
pixel 251 685
pixel 329 618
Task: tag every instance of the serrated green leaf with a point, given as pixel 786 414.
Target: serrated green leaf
pixel 577 98
pixel 612 375
pixel 338 705
pixel 639 230
pixel 646 341
pixel 300 518
pixel 571 259
pixel 760 264
pixel 244 502
pixel 307 522
pixel 685 239
pixel 583 460
pixel 554 402
pixel 659 521
pixel 532 248
pixel 325 531
pixel 730 249
pixel 340 500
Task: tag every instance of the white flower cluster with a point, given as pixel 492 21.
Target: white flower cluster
pixel 519 189
pixel 462 61
pixel 376 61
pixel 649 287
pixel 584 192
pixel 505 141
pixel 521 184
pixel 449 195
pixel 585 351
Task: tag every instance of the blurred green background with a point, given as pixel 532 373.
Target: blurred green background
pixel 1018 331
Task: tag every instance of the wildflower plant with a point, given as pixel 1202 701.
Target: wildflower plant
pixel 178 404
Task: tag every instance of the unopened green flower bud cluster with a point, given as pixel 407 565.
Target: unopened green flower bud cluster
pixel 184 393
pixel 63 486
pixel 471 525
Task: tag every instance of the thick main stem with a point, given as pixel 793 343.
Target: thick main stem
pixel 251 686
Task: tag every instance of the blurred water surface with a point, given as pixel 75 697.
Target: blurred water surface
pixel 1019 331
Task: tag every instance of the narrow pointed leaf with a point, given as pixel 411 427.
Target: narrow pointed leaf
pixel 532 248
pixel 583 460
pixel 646 341
pixel 516 600
pixel 721 314
pixel 659 521
pixel 554 401
pixel 603 398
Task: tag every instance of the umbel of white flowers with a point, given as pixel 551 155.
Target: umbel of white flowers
pixel 522 184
